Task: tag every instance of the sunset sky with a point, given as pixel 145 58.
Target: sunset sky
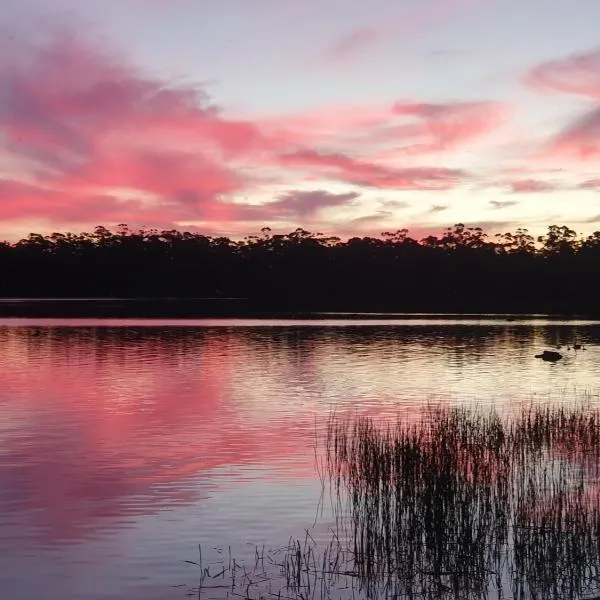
pixel 338 116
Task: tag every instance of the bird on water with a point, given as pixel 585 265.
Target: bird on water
pixel 549 355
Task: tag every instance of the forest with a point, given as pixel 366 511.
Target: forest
pixel 461 270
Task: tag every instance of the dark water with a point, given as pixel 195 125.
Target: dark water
pixel 125 444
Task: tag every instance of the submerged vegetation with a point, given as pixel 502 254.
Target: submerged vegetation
pixel 462 269
pixel 460 504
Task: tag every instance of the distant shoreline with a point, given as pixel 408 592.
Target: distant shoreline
pixel 232 308
pixel 148 273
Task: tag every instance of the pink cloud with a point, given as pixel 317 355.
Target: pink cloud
pixel 350 170
pixel 97 140
pixel 82 123
pixel 578 74
pixel 20 200
pixel 444 126
pixel 168 174
pixel 391 131
pixel 527 186
pixel 590 184
pixel 327 124
pixel 69 94
pixel 74 110
pixel 580 139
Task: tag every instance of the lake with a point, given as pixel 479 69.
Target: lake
pixel 127 443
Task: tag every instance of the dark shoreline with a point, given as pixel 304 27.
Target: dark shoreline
pixel 235 308
pixel 187 275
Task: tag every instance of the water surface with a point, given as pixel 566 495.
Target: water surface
pixel 126 443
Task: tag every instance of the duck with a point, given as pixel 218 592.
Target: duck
pixel 549 355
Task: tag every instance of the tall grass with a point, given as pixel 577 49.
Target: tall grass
pixel 462 504
pixel 470 504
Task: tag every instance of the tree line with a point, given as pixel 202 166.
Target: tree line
pixel 461 270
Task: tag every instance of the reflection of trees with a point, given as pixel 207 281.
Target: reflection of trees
pixel 464 505
pixel 449 343
pixel 356 338
pixel 462 269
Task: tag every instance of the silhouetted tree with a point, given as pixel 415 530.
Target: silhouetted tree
pixel 462 269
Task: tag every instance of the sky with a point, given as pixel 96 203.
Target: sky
pixel 338 116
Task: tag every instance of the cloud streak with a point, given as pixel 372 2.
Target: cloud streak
pixel 352 43
pixel 403 26
pixel 341 167
pixel 580 139
pixel 307 204
pixel 445 126
pixel 578 74
pixel 590 184
pixel 498 204
pixel 531 186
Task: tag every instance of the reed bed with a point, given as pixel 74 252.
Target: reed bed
pixel 462 504
pixel 469 504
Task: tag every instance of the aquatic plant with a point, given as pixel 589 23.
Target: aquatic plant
pixel 460 504
pixel 467 503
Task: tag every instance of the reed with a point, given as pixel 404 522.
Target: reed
pixel 462 504
pixel 470 504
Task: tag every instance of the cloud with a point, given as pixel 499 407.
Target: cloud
pixel 376 218
pixel 577 74
pixel 492 226
pixel 367 225
pixel 590 184
pixel 172 175
pixel 326 124
pixel 436 208
pixel 503 203
pixel 529 186
pixel 22 201
pixel 72 99
pixel 392 131
pixel 81 122
pixel 306 204
pixel 67 95
pixel 352 42
pixel 397 26
pixel 344 168
pixel 91 138
pixel 443 126
pixel 581 139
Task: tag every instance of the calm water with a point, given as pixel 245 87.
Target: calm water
pixel 125 444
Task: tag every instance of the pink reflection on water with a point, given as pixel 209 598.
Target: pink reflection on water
pixel 109 425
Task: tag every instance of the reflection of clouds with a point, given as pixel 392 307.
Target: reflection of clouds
pixel 143 412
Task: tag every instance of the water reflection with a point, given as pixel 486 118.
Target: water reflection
pixel 95 417
pixel 106 425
